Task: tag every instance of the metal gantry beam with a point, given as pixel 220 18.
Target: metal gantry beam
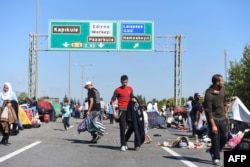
pixel 33 64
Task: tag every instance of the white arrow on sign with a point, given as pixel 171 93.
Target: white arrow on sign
pixel 65 44
pixel 136 45
pixel 100 44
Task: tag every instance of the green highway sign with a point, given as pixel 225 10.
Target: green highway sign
pixel 101 35
pixel 136 36
pixel 82 35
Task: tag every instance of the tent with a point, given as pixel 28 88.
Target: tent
pixel 239 111
pixel 57 108
pixel 155 120
pixel 25 121
pixel 239 115
pixel 45 107
pixel 179 110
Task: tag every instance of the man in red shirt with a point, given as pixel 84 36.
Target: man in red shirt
pixel 123 94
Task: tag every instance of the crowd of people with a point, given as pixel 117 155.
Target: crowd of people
pixel 208 118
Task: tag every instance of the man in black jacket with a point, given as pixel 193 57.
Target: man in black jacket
pixel 216 117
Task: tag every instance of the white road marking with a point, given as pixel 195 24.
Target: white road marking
pixel 18 151
pixel 178 156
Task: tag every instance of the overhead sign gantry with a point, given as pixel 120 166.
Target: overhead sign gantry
pixel 101 35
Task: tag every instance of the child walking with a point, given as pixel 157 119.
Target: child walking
pixel 66 114
pixel 145 115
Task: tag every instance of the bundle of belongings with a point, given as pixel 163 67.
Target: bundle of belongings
pixel 91 126
pixel 244 143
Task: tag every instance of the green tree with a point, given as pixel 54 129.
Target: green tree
pixel 21 97
pixel 141 99
pixel 239 78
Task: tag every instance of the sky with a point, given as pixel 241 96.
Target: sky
pixel 209 27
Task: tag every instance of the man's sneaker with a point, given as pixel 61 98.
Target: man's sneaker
pixel 123 148
pixel 216 162
pixel 137 148
pixel 126 147
pixel 95 139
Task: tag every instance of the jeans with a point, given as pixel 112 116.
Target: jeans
pixel 193 125
pixel 111 118
pixel 122 124
pixel 101 114
pixel 129 133
pixel 190 123
pixel 94 116
pixel 66 122
pixel 219 140
pixel 34 112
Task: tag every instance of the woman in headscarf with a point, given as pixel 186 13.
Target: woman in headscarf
pixel 7 117
pixel 7 94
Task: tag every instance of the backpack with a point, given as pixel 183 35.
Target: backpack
pixel 82 126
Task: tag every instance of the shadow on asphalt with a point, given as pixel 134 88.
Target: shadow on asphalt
pixel 190 159
pixel 178 134
pixel 74 141
pixel 59 129
pixel 105 147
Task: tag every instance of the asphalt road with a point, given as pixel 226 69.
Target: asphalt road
pixel 52 146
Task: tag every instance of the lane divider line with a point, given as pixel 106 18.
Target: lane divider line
pixel 19 151
pixel 178 156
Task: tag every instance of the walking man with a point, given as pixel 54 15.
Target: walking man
pixel 102 111
pixel 216 117
pixel 123 94
pixel 195 112
pixel 93 108
pixel 188 108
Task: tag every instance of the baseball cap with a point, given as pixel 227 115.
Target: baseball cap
pixel 196 95
pixel 87 83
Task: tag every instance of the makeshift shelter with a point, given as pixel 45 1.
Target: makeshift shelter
pixel 155 120
pixel 45 107
pixel 25 121
pixel 179 116
pixel 239 114
pixel 57 108
pixel 179 110
pixel 239 111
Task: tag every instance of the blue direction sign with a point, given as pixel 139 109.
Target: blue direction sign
pixel 136 36
pixel 82 35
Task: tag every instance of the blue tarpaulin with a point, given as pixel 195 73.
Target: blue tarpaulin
pixel 155 120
